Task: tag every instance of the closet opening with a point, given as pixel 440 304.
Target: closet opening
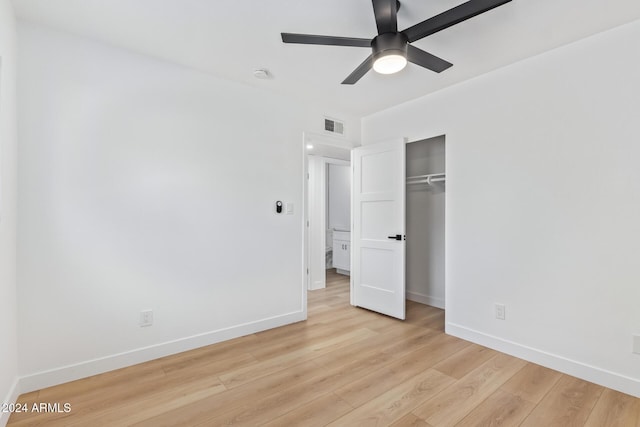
pixel 425 221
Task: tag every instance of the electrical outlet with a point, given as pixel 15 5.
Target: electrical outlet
pixel 146 318
pixel 636 344
pixel 500 311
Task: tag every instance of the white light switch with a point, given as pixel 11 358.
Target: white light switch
pixel 636 344
pixel 289 208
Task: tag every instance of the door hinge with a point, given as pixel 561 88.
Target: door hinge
pixel 307 271
pixel 307 223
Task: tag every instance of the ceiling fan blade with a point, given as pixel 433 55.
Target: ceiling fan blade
pixel 451 17
pixel 426 60
pixel 385 12
pixel 359 72
pixel 325 40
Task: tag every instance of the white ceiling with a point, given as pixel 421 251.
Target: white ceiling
pixel 232 38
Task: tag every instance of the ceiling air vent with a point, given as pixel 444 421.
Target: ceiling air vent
pixel 333 126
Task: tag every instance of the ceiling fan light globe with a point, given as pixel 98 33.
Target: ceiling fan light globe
pixel 389 64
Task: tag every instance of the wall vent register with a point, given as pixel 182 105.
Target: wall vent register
pixel 333 126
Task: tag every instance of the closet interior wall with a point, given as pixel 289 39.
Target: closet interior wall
pixel 425 224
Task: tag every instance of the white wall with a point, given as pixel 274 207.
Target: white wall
pixel 8 183
pixel 145 185
pixel 339 197
pixel 543 204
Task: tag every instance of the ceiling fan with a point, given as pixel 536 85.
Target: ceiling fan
pixel 391 49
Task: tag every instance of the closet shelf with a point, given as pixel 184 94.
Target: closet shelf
pixel 430 179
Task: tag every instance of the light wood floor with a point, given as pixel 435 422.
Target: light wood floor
pixel 343 367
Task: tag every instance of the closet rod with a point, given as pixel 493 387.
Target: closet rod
pixel 426 179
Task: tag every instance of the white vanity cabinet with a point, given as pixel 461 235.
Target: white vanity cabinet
pixel 342 251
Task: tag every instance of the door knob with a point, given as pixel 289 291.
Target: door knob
pixel 396 237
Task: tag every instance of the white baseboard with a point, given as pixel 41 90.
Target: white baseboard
pixel 343 272
pixel 12 397
pixel 425 299
pixel 574 368
pixel 109 363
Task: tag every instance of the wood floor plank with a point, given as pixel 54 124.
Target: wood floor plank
pixel 465 361
pixel 136 398
pixel 309 336
pixel 395 325
pixel 432 317
pixel 315 309
pixel 92 385
pixel 435 321
pixel 569 403
pixel 377 382
pixel 532 383
pixel 213 365
pixel 27 399
pixel 248 409
pixel 317 413
pixel 241 345
pixel 397 402
pixel 457 401
pixel 410 420
pixel 249 373
pixel 282 401
pixel 500 409
pixel 196 411
pixel 267 409
pixel 147 405
pixel 86 393
pixel 615 409
pixel 314 319
pixel 330 376
pixel 381 345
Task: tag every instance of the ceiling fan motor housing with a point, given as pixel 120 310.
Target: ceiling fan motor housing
pixel 389 44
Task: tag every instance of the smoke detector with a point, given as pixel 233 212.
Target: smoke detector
pixel 261 74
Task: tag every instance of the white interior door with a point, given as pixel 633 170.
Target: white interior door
pixel 378 246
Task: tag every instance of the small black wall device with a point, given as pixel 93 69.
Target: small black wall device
pixel 278 206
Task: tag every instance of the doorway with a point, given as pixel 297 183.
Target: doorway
pixel 425 221
pixel 327 198
pixel 398 225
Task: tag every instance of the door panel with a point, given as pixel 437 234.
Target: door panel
pixel 379 212
pixel 375 167
pixel 376 217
